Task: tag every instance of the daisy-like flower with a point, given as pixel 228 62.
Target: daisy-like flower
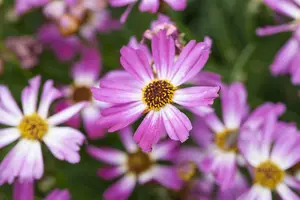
pixel 220 139
pixel 287 58
pixel 151 6
pixel 85 17
pixel 25 191
pixel 32 127
pixel 136 166
pixel 85 74
pixel 154 90
pixel 270 157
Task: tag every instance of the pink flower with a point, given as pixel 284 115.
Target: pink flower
pixel 71 17
pixel 32 127
pixel 147 5
pixel 85 74
pixel 270 152
pixel 25 191
pixel 220 139
pixel 154 89
pixel 287 58
pixel 135 166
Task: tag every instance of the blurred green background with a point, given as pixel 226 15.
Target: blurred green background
pixel 238 55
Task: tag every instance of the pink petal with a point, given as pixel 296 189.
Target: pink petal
pixel 107 155
pixel 122 189
pixel 163 50
pixel 196 96
pixel 256 192
pixel 149 131
pixel 201 133
pixel 64 143
pixel 135 62
pixel 127 139
pixel 58 194
pixel 8 136
pixel 177 124
pixel 8 102
pixel 165 150
pixel 23 191
pixel 73 121
pixel 284 7
pixel 206 79
pixel 9 119
pixel 177 4
pixel 30 95
pixel 270 30
pixel 167 176
pixel 109 173
pixel 286 193
pixel 120 3
pixel 66 114
pixel 149 6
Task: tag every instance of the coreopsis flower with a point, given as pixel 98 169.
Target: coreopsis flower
pixel 25 191
pixel 270 155
pixel 151 6
pixel 220 139
pixel 154 90
pixel 23 6
pixel 85 17
pixel 26 48
pixel 136 166
pixel 32 127
pixel 287 58
pixel 85 74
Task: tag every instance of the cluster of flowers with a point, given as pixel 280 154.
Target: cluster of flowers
pixel 251 155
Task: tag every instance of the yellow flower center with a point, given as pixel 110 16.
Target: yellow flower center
pixel 186 171
pixel 33 127
pixel 268 175
pixel 138 162
pixel 81 93
pixel 227 140
pixel 158 94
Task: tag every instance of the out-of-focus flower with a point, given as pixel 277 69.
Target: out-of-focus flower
pixel 270 157
pixel 154 89
pixel 32 127
pixel 164 23
pixel 65 48
pixel 85 74
pixel 25 191
pixel 26 48
pixel 1 67
pixel 220 140
pixel 151 6
pixel 287 58
pixel 136 166
pixel 85 17
pixel 22 6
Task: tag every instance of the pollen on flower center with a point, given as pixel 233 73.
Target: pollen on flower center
pixel 186 171
pixel 33 127
pixel 138 162
pixel 158 94
pixel 227 140
pixel 82 93
pixel 268 174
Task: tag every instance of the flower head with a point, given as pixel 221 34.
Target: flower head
pixel 136 166
pixel 153 89
pixel 32 127
pixel 271 152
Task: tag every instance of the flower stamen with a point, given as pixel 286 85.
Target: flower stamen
pixel 138 162
pixel 33 127
pixel 227 140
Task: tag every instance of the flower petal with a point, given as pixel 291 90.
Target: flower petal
pixel 23 191
pixel 64 143
pixel 256 192
pixel 9 119
pixel 30 95
pixel 149 131
pixel 201 133
pixel 286 193
pixel 121 189
pixel 109 173
pixel 206 79
pixel 66 114
pixel 58 194
pixel 177 4
pixel 284 7
pixel 165 150
pixel 149 6
pixel 49 95
pixel 8 135
pixel 120 3
pixel 107 155
pixel 75 120
pixel 127 139
pixel 163 50
pixel 166 176
pixel 8 102
pixel 135 62
pixel 196 96
pixel 177 124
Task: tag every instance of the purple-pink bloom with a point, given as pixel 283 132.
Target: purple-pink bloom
pixel 271 151
pixel 32 127
pixel 85 74
pixel 22 6
pixel 135 166
pixel 154 88
pixel 25 191
pixel 286 60
pixel 151 6
pixel 220 139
